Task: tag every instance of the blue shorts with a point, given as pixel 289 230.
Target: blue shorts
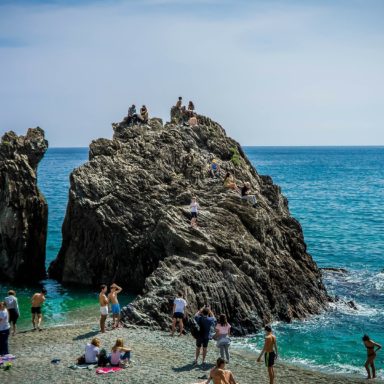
pixel 116 309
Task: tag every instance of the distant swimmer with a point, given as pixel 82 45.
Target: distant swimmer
pixel 371 356
pixel 37 300
pixel 270 353
pixel 115 306
pixel 103 301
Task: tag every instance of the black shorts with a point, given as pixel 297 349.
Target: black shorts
pixel 200 342
pixel 194 215
pixel 36 310
pixel 270 358
pixel 13 315
pixel 178 315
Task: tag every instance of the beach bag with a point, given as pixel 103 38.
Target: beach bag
pixel 103 358
pixel 194 327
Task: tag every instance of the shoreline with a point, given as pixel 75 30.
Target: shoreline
pixel 158 358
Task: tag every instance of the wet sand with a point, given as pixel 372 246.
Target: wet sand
pixel 158 358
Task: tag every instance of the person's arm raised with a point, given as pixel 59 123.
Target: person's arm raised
pixel 376 345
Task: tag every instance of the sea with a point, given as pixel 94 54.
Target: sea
pixel 336 193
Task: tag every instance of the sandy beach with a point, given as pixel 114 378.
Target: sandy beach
pixel 158 359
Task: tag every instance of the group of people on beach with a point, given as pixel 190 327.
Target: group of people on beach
pixel 205 327
pixel 10 312
pixel 120 356
pixel 109 300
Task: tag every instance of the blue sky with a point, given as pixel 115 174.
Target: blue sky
pixel 271 72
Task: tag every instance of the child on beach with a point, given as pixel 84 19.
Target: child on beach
pixel 92 351
pixel 194 210
pixel 120 355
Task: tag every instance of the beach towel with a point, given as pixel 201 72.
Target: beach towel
pixel 104 370
pixel 6 358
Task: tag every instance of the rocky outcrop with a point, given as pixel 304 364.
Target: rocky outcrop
pixel 23 209
pixel 128 221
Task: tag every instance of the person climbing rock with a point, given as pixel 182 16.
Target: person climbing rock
pixel 246 194
pixel 194 211
pixel 215 169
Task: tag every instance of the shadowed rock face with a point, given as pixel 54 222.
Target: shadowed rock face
pixel 23 209
pixel 128 221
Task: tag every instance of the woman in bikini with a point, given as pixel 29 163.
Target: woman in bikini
pixel 371 355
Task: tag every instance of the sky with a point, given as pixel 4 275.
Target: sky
pixel 270 72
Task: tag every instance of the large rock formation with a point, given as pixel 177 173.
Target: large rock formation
pixel 128 221
pixel 23 209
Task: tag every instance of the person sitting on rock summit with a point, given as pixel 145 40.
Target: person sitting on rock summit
pixel 132 115
pixel 179 102
pixel 246 194
pixel 143 114
pixel 206 320
pixel 229 182
pixel 191 109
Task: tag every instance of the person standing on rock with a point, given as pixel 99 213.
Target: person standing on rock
pixel 179 305
pixel 194 211
pixel 132 115
pixel 270 353
pixel 206 320
pixel 103 301
pixel 37 300
pixel 115 290
pixel 13 309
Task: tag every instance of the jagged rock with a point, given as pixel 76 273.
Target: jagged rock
pixel 23 209
pixel 335 270
pixel 127 220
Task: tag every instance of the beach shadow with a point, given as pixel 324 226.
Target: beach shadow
pixel 87 335
pixel 184 368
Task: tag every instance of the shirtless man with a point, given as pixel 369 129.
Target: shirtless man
pixel 270 352
pixel 219 374
pixel 115 290
pixel 37 301
pixel 103 301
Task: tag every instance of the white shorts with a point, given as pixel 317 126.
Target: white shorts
pixel 104 310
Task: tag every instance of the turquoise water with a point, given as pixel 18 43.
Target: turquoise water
pixel 64 304
pixel 336 193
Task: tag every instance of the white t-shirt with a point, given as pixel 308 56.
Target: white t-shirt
pixel 4 324
pixel 11 302
pixel 91 353
pixel 180 305
pixel 195 207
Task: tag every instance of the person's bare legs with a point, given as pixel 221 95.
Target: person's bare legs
pixel 33 320
pixel 204 354
pixel 173 326
pixel 197 354
pixel 373 370
pixel 115 323
pixel 39 320
pixel 181 327
pixel 366 365
pixel 271 374
pixel 102 323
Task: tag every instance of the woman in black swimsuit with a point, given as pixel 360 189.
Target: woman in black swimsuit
pixel 371 355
